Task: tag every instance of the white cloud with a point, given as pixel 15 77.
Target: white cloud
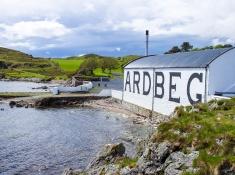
pixel 171 17
pixel 28 29
pixel 80 55
pixel 24 44
pixel 77 23
pixel 118 49
pixel 217 41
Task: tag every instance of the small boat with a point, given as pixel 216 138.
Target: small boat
pixel 83 86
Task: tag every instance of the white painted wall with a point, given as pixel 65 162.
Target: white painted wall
pixel 222 73
pixel 163 105
pixel 135 98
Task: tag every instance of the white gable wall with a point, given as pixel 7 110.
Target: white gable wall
pixel 222 73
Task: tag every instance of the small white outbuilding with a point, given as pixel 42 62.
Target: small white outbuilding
pixel 162 82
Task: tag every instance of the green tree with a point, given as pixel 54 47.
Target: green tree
pixel 228 45
pixel 112 64
pixel 174 49
pixel 104 64
pixel 218 46
pixel 109 63
pixel 88 66
pixel 186 46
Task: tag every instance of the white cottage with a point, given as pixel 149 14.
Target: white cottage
pixel 162 82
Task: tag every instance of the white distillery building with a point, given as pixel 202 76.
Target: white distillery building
pixel 162 82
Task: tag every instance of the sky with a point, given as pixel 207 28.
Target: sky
pixel 61 28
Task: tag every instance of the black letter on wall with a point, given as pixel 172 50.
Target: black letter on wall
pixel 146 92
pixel 159 85
pixel 199 96
pixel 173 86
pixel 128 82
pixel 136 81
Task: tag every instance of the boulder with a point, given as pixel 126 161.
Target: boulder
pixel 178 162
pixel 173 169
pixel 21 103
pixel 153 158
pixel 108 154
pixel 111 169
pixel 129 171
pixel 12 103
pixel 156 153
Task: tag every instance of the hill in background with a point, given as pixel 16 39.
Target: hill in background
pixel 15 64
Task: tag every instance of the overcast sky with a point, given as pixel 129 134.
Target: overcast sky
pixel 59 28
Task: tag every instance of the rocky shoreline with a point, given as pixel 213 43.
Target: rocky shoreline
pixel 154 159
pixel 89 101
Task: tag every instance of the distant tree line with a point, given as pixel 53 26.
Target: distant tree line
pixel 187 47
pixel 104 63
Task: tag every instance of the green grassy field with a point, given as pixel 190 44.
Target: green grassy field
pixel 73 65
pixel 69 65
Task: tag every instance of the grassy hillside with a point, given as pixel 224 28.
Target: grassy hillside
pixel 208 128
pixel 15 64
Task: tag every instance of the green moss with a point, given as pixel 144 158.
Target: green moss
pixel 126 161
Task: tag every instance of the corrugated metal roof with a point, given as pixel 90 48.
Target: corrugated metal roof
pixel 194 59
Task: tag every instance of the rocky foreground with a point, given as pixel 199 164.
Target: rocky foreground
pixel 160 158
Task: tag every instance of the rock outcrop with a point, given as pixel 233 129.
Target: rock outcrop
pixel 155 159
pixel 104 162
pixel 45 102
pixel 108 154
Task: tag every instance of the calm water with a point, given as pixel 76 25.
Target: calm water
pixel 18 86
pixel 47 141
